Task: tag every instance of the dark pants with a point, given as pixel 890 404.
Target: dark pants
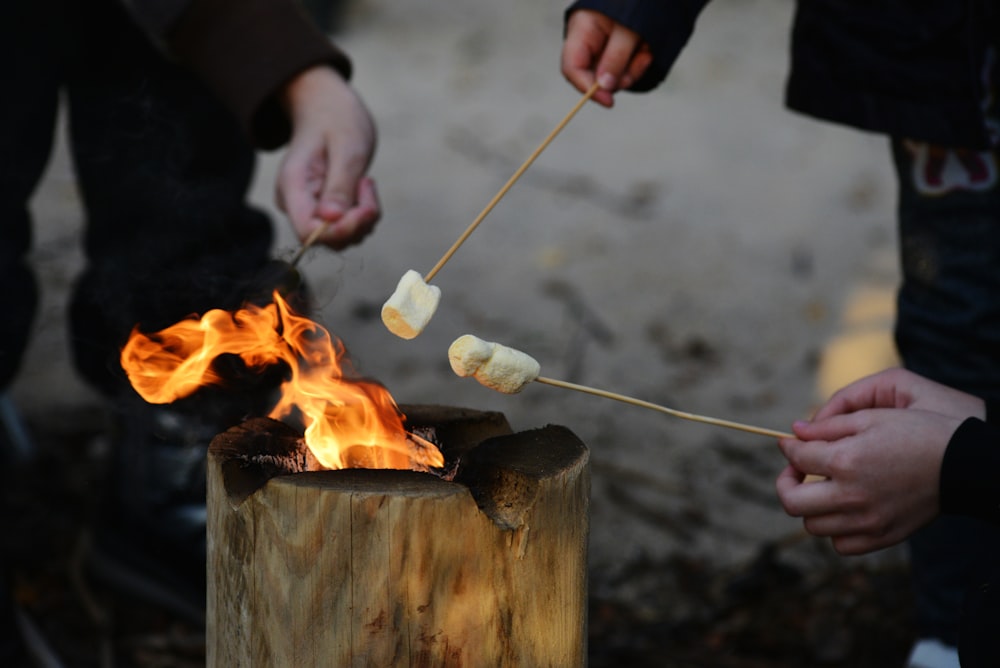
pixel 161 167
pixel 948 329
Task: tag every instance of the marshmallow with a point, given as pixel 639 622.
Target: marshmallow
pixel 411 306
pixel 496 366
pixel 468 353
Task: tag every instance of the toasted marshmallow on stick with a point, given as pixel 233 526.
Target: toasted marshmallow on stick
pixel 507 370
pixel 411 306
pixel 496 366
pixel 467 354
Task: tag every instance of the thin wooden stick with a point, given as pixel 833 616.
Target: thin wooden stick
pixel 663 409
pixel 310 240
pixel 503 191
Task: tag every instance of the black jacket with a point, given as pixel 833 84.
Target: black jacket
pixel 919 69
pixel 245 50
pixel 970 471
pixel 970 486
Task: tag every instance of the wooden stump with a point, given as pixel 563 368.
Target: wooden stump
pixel 396 568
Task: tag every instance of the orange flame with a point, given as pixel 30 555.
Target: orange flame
pixel 349 422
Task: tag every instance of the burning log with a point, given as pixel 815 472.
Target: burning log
pixel 365 567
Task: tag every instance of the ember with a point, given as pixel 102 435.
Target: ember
pixel 349 422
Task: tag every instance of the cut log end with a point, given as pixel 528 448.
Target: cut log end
pixel 401 567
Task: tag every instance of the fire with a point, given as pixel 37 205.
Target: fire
pixel 349 422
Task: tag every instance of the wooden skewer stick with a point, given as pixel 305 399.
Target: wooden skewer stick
pixel 663 409
pixel 310 240
pixel 503 191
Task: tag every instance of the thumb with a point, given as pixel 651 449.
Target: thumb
pixel 334 201
pixel 831 428
pixel 346 167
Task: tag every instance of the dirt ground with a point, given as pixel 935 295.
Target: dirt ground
pixel 698 247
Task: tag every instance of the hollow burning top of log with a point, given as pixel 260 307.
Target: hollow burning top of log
pixel 500 468
pixel 402 569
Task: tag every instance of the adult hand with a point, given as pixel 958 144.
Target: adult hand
pixel 597 48
pixel 322 178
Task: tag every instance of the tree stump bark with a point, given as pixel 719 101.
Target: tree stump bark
pixel 397 568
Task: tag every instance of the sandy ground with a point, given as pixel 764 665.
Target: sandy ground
pixel 698 247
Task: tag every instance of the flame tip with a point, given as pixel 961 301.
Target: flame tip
pixel 341 412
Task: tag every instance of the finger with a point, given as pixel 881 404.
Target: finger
pixel 584 40
pixel 296 192
pixel 833 428
pixel 617 57
pixel 346 169
pixel 878 390
pixel 357 222
pixel 852 545
pixel 785 484
pixel 577 63
pixel 843 403
pixel 807 457
pixel 801 496
pixel 583 77
pixel 831 525
pixel 586 37
pixel 847 537
pixel 637 67
pixel 847 399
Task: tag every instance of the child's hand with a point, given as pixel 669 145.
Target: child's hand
pixel 881 471
pixel 597 48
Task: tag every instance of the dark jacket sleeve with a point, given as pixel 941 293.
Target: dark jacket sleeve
pixel 664 26
pixel 244 50
pixel 970 472
pixel 993 412
pixel 978 647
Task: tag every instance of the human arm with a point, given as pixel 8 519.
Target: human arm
pixel 245 51
pixel 969 472
pixel 624 44
pixel 286 84
pixel 893 450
